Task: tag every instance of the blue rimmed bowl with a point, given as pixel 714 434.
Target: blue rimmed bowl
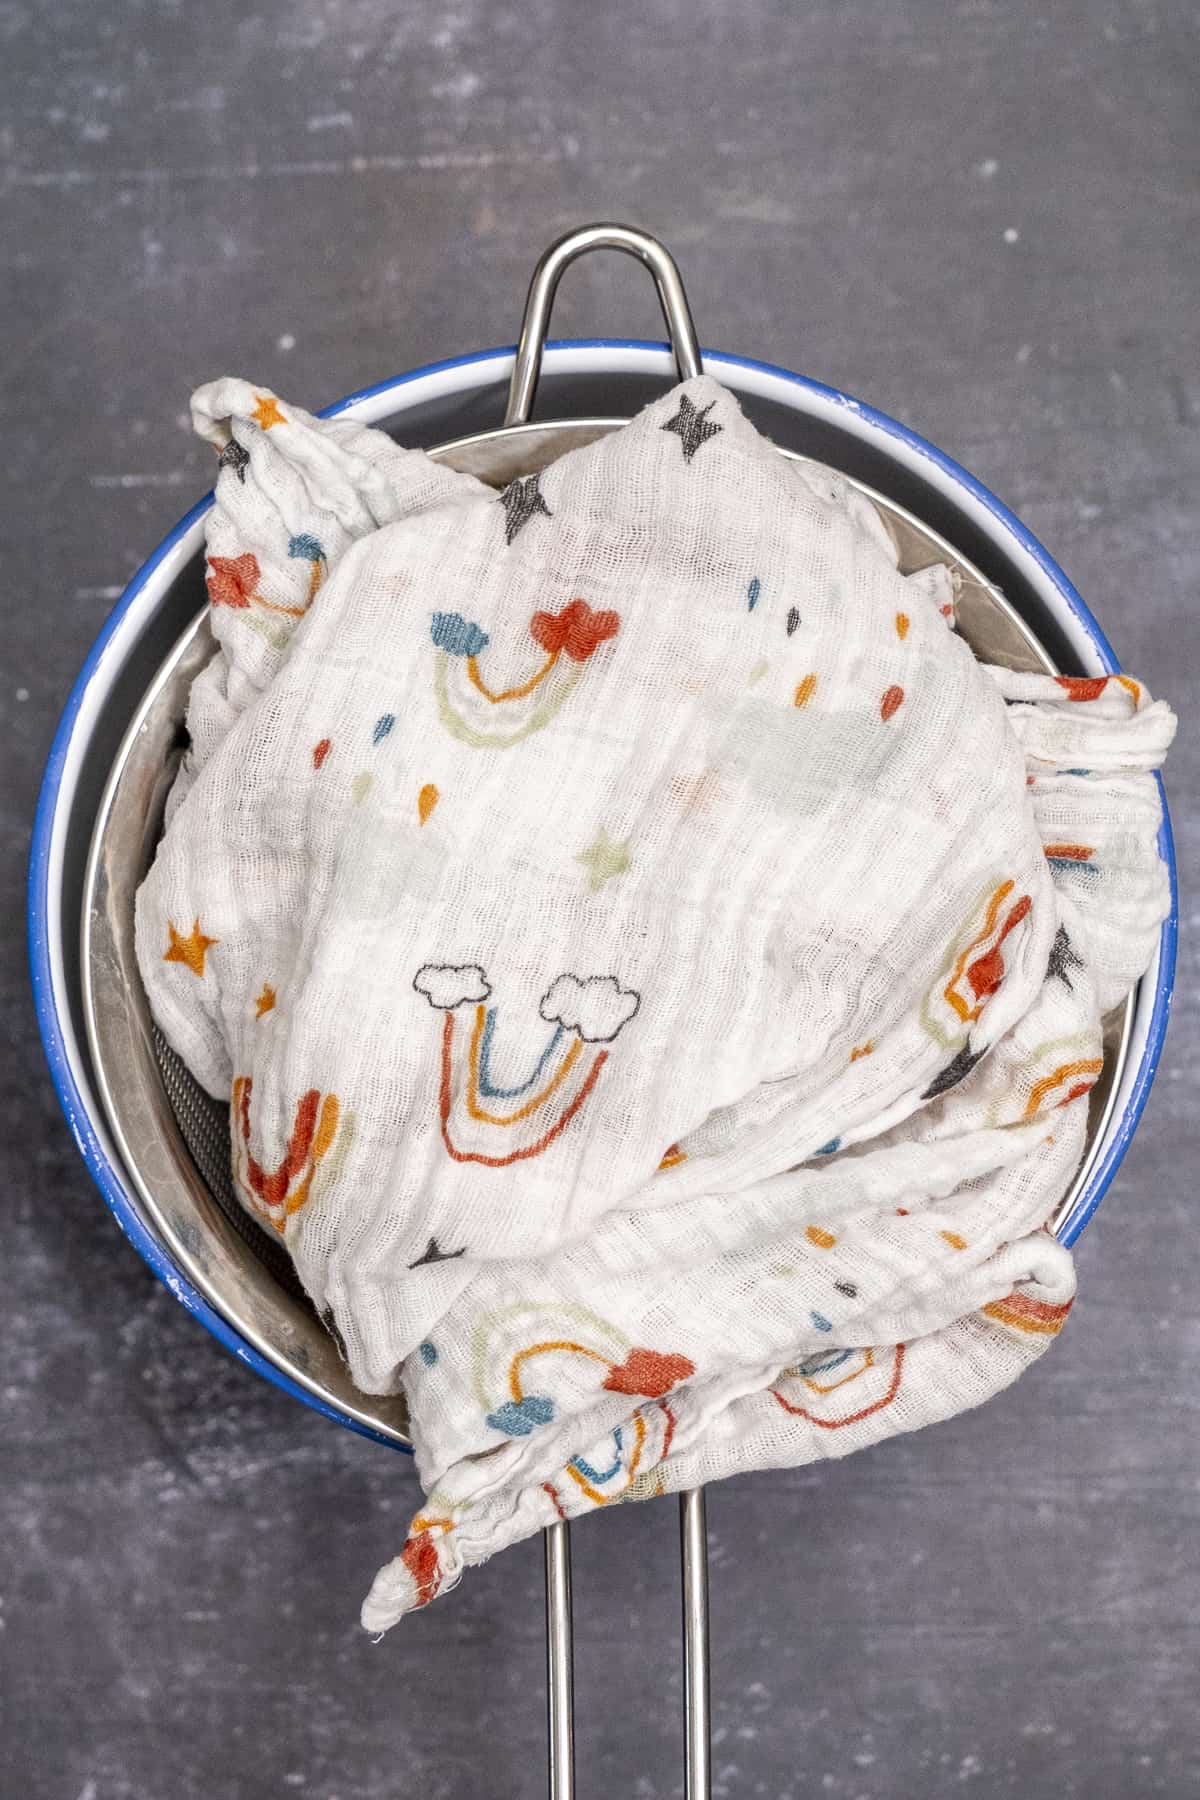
pixel 195 1247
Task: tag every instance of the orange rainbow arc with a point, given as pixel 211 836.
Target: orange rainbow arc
pixel 594 1494
pixel 1089 1065
pixel 1023 1313
pixel 559 1344
pixel 865 1412
pixel 445 1103
pixel 513 693
pixel 478 1112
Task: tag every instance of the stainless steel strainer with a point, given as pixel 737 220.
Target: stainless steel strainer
pixel 174 1140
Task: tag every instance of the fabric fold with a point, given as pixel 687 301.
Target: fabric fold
pixel 657 973
pixel 293 492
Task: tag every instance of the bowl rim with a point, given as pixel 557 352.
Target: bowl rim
pixel 60 1042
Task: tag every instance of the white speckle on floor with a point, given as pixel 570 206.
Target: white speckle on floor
pixel 461 86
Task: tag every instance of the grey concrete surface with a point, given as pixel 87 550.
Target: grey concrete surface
pixel 984 218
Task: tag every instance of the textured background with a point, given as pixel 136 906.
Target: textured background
pixel 982 217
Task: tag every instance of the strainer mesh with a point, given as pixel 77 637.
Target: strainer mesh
pixel 204 1126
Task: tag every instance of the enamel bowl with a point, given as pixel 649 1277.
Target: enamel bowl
pixel 430 406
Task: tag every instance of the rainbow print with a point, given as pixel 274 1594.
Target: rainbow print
pixel 973 967
pixel 275 1194
pixel 1021 1312
pixel 581 1350
pixel 1072 858
pixel 816 1390
pixel 487 717
pixel 1055 1073
pixel 583 1012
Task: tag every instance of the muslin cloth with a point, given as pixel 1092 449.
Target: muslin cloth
pixel 656 971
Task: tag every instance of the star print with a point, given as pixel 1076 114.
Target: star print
pixel 1062 960
pixel 953 1073
pixel 521 499
pixel 266 411
pixel 605 858
pixel 266 1000
pixel 691 426
pixel 234 457
pixel 189 950
pixel 435 1255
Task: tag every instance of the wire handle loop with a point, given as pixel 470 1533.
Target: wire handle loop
pixel 544 286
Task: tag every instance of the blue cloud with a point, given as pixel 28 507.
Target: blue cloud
pixel 457 636
pixel 519 1417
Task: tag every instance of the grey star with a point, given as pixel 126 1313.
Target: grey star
pixel 953 1073
pixel 1062 960
pixel 520 500
pixel 234 457
pixel 435 1255
pixel 691 426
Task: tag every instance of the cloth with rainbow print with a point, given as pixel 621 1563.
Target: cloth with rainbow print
pixel 656 971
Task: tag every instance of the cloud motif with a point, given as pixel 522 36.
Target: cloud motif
pixel 596 1006
pixel 457 636
pixel 447 985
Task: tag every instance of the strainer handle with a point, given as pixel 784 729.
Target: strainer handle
pixel 560 1649
pixel 693 1534
pixel 560 1685
pixel 544 286
pixel 697 1739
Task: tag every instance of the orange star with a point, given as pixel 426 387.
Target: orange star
pixel 266 411
pixel 265 1001
pixel 189 950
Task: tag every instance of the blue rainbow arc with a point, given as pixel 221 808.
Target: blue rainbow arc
pixel 601 1475
pixel 485 1049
